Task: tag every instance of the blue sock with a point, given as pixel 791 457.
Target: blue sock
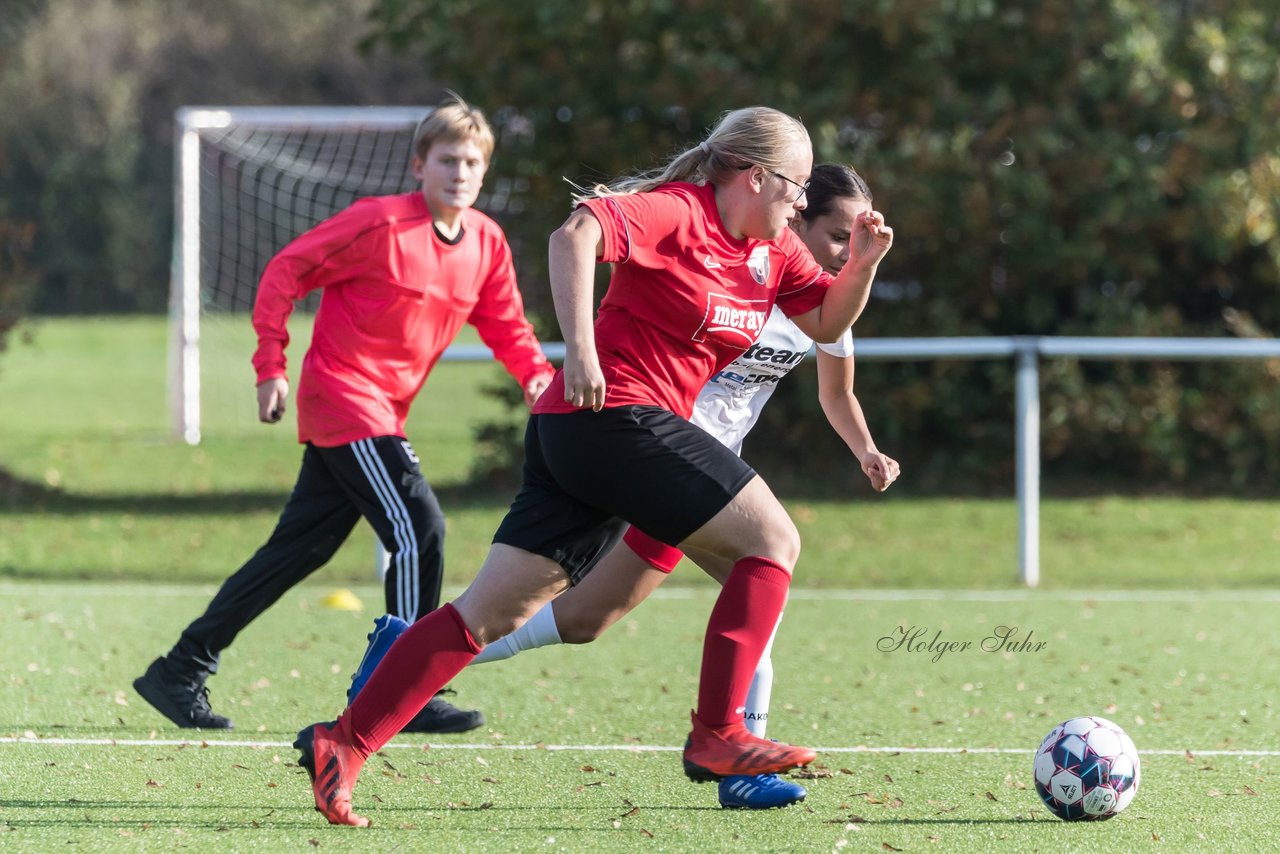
pixel 385 631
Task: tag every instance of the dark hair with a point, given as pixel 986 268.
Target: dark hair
pixel 831 181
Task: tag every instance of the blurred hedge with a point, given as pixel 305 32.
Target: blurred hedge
pixel 89 89
pixel 1081 168
pixel 1071 168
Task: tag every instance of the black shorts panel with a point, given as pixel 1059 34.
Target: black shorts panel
pixel 586 473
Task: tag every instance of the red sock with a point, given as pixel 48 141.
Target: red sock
pixel 741 624
pixel 421 661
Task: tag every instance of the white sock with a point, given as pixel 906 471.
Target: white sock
pixel 540 630
pixel 756 716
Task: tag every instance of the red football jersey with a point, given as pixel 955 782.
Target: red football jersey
pixel 685 297
pixel 394 297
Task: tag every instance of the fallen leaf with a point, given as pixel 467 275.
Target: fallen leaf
pixel 887 847
pixel 813 772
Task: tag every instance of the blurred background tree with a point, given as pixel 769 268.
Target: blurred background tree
pixel 1082 168
pixel 1094 168
pixel 86 136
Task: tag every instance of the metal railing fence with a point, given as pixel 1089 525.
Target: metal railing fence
pixel 1026 352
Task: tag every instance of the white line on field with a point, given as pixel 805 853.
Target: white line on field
pixel 203 591
pixel 906 595
pixel 587 748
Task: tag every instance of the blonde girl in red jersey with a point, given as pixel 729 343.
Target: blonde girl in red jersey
pixel 701 253
pixel 728 407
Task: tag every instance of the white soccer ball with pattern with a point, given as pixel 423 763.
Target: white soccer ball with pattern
pixel 1087 769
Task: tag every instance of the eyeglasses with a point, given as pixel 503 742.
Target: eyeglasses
pixel 804 188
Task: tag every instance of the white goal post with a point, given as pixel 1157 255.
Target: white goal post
pixel 247 181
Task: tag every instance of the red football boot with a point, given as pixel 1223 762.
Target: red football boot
pixel 710 754
pixel 333 766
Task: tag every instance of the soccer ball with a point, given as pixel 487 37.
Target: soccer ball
pixel 1087 769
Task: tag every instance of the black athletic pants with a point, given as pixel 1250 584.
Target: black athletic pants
pixel 376 478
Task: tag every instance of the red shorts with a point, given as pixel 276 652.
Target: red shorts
pixel 658 554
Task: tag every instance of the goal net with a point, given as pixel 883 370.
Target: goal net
pixel 249 180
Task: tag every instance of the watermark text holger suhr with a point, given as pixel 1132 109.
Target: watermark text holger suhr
pixel 920 639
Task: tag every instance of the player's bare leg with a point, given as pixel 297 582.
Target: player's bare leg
pixel 620 582
pixel 616 585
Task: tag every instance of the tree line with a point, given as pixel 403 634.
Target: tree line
pixel 1051 168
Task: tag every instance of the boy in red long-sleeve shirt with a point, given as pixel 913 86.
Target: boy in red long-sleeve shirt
pixel 398 275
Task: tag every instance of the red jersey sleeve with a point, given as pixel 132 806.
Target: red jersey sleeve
pixel 322 256
pixel 499 318
pixel 634 223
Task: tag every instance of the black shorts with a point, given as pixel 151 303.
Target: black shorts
pixel 588 474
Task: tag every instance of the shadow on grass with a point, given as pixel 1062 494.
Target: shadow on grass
pixel 20 495
pixel 150 822
pixel 274 819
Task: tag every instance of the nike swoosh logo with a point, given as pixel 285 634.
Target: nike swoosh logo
pixel 712 264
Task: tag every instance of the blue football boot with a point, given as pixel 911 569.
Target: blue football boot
pixel 385 631
pixel 439 715
pixel 759 792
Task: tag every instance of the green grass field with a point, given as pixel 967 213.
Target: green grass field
pixel 1158 613
pixel 1190 677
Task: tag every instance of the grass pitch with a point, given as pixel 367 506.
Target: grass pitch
pixel 918 750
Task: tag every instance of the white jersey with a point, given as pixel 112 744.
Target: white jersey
pixel 730 404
